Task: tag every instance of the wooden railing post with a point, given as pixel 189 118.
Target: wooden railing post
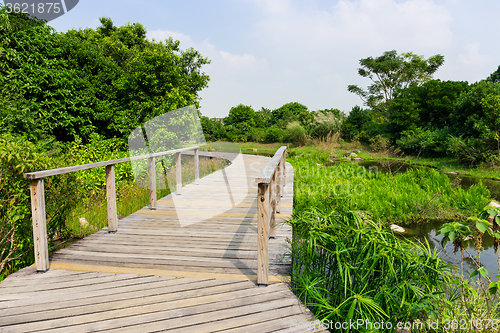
pixel 178 172
pixel 263 234
pixel 111 198
pixel 196 166
pixel 279 192
pixel 39 225
pixel 272 207
pixel 152 183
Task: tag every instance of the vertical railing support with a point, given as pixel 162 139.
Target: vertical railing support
pixel 263 234
pixel 273 205
pixel 178 171
pixel 197 166
pixel 152 183
pixel 111 198
pixel 279 192
pixel 39 225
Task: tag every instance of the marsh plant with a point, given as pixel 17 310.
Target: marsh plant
pixel 348 268
pixel 477 297
pixel 421 193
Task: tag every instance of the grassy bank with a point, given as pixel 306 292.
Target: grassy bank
pixel 347 263
pixel 417 195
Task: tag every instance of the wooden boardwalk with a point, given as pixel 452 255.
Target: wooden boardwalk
pixel 188 266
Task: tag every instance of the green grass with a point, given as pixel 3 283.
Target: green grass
pixel 418 195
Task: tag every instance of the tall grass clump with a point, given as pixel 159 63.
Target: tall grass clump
pixel 348 268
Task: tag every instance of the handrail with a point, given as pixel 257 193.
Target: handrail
pixel 38 195
pixel 270 180
pixel 60 171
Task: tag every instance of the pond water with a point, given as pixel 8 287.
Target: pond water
pixel 429 230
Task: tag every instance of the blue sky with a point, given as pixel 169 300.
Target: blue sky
pixel 266 53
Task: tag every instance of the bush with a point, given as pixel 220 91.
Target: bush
pixel 17 156
pixel 296 134
pixel 424 142
pixel 274 134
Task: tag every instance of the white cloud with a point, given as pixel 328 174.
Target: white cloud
pixel 359 24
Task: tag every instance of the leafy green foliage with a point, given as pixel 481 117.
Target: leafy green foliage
pixel 391 72
pixel 106 81
pixel 469 117
pixel 346 267
pixel 289 112
pixel 17 156
pixel 495 76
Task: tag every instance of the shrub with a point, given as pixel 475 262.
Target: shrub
pixel 296 134
pixel 274 134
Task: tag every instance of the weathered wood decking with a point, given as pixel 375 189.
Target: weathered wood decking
pixel 188 266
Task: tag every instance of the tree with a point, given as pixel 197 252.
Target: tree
pixel 391 72
pixel 106 81
pixel 491 107
pixel 428 105
pixel 469 116
pixel 495 76
pixel 289 112
pixel 356 124
pixel 239 122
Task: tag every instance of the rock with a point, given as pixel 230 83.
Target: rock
pixel 309 154
pixel 451 173
pixel 255 150
pixel 347 154
pixel 357 159
pixel 318 164
pixel 299 155
pixel 493 204
pixel 354 155
pixel 397 228
pixel 356 151
pixel 333 156
pixel 83 222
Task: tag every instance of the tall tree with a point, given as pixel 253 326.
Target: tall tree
pixel 495 76
pixel 391 72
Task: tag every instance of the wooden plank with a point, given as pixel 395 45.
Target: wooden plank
pixel 160 272
pixel 193 321
pixel 152 183
pixel 111 199
pixel 178 173
pixel 60 171
pixel 100 309
pixel 39 225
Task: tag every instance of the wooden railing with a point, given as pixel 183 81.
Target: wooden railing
pixel 38 195
pixel 270 180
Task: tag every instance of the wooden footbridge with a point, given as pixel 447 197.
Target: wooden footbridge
pixel 208 258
